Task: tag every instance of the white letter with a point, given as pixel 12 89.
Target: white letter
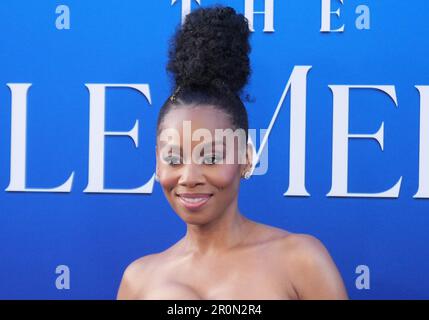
pixel 423 191
pixel 268 14
pixel 97 134
pixel 297 85
pixel 18 143
pixel 326 16
pixel 340 136
pixel 186 7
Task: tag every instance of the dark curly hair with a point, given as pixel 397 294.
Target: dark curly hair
pixel 209 60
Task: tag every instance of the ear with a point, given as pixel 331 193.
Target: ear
pixel 156 158
pixel 247 166
pixel 249 157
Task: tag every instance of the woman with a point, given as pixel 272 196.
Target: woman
pixel 223 255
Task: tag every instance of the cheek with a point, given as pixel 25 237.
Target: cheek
pixel 223 176
pixel 168 177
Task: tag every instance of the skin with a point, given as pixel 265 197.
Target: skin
pixel 225 255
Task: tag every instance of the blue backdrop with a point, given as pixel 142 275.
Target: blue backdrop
pixel 96 235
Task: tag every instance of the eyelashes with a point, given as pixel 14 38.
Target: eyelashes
pixel 171 160
pixel 176 160
pixel 213 159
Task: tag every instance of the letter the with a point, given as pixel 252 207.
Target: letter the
pixel 326 17
pixel 249 12
pixel 186 7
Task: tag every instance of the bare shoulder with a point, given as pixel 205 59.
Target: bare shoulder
pixel 135 275
pixel 267 234
pixel 304 245
pixel 287 243
pixel 313 272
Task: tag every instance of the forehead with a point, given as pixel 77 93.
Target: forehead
pixel 201 117
pixel 194 126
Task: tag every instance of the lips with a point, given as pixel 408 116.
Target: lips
pixel 194 201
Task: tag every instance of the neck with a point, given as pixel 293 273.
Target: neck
pixel 219 235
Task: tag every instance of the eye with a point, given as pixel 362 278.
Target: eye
pixel 172 160
pixel 212 159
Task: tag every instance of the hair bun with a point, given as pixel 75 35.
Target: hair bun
pixel 210 50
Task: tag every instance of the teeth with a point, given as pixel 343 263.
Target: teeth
pixel 193 200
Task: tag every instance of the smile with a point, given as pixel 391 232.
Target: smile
pixel 195 201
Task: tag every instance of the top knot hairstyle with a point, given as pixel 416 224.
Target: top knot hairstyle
pixel 209 61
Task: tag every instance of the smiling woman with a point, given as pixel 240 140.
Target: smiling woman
pixel 223 255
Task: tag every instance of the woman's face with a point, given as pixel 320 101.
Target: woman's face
pixel 189 149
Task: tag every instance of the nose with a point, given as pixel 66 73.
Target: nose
pixel 191 175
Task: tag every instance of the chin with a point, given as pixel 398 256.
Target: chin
pixel 196 218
